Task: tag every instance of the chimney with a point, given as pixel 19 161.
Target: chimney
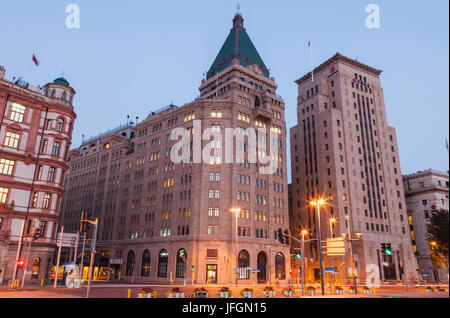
pixel 2 72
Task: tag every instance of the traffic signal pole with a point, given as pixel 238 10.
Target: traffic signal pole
pixel 95 223
pixel 320 251
pixel 17 255
pixel 59 255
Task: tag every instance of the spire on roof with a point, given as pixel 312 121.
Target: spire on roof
pixel 238 45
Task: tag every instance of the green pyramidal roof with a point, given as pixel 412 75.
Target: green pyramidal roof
pixel 238 45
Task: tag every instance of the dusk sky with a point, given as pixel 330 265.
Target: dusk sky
pixel 130 57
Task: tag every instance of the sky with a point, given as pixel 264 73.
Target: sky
pixel 130 57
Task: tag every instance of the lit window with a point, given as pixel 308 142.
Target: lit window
pixel 6 166
pixel 11 139
pixel 3 194
pixel 17 112
pixel 46 203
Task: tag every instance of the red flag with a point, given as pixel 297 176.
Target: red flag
pixel 35 60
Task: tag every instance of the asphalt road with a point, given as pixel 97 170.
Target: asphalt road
pixel 131 291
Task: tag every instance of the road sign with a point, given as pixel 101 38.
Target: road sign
pixel 335 246
pixel 329 270
pixel 256 270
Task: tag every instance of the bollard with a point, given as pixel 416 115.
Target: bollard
pixel 374 290
pixel 129 293
pixel 42 282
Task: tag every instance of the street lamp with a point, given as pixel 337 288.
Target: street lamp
pixel 236 211
pixel 332 221
pixel 318 203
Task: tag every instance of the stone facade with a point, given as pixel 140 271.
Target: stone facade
pixel 163 221
pixel 35 137
pixel 344 151
pixel 426 192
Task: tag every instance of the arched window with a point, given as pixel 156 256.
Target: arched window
pixel 243 264
pixel 181 263
pixel 63 96
pixel 53 93
pixel 60 125
pixel 145 268
pixel 280 271
pixel 162 263
pixel 130 264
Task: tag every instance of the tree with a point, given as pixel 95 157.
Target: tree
pixel 438 231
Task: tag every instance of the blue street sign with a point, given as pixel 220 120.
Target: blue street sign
pixel 329 270
pixel 256 270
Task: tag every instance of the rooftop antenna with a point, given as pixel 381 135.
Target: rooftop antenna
pixel 128 119
pixel 137 118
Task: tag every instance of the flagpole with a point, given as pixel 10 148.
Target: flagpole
pixel 311 59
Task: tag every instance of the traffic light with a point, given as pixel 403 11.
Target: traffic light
pixel 20 263
pixel 280 236
pixel 36 234
pixel 192 268
pixel 286 238
pixel 83 225
pixel 298 255
pixel 386 248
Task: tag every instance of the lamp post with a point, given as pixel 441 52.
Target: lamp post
pixel 236 211
pixel 318 203
pixel 304 232
pixel 94 238
pixel 332 221
pixel 351 253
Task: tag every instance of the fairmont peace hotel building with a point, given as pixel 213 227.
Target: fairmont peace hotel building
pixel 210 221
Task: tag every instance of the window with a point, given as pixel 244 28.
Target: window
pixel 11 140
pixel 46 203
pixel 56 146
pixel 162 263
pixel 280 271
pixel 60 125
pixel 6 166
pixel 3 195
pixel 130 263
pixel 44 147
pixel 145 267
pixel 180 270
pixel 243 264
pixel 34 201
pixel 17 112
pixel 51 174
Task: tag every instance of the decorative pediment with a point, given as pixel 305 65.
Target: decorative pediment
pixel 14 126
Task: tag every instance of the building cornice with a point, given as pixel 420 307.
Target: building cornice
pixel 339 58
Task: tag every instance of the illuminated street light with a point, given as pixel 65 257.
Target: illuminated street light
pixel 318 203
pixel 236 211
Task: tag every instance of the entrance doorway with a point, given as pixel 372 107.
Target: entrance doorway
pixel 211 274
pixel 262 264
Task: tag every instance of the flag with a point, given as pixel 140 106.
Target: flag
pixel 309 43
pixel 446 143
pixel 35 60
pixel 239 7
